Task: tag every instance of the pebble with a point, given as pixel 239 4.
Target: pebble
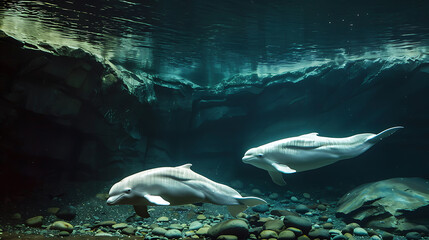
pixel 319 233
pixel 375 237
pixel 16 216
pixel 53 210
pixel 266 234
pixel 386 235
pixel 62 226
pixel 235 227
pixel 162 219
pixel 275 225
pixel 316 226
pixel 176 226
pixel 287 235
pixel 328 226
pixel 256 191
pixel 306 195
pixel 294 199
pixel 129 230
pixel 119 226
pixel 335 232
pixel 279 213
pixel 298 222
pixel 297 231
pixel 274 196
pixel 34 221
pixel 303 237
pixel 360 232
pixel 301 208
pixel 321 207
pixel 323 218
pixel 227 237
pixel 340 237
pixel 159 231
pixel 413 236
pixel 189 233
pixel 201 217
pixel 203 231
pixel 173 233
pixel 67 213
pixel 349 236
pixel 260 208
pixel 103 234
pixel 195 225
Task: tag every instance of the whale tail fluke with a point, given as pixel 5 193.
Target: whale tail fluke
pixel 244 203
pixel 383 134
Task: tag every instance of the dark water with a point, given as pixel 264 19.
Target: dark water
pixel 207 42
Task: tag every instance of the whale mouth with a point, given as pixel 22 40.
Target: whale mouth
pixel 114 199
pixel 247 159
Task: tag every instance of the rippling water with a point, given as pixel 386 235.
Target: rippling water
pixel 206 42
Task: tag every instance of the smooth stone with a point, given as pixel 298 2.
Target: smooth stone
pixel 280 213
pixel 176 226
pixel 413 236
pixel 16 216
pixel 339 237
pixel 261 208
pixel 306 195
pixel 67 213
pixel 274 196
pixel 349 236
pixel 203 231
pixel 321 207
pixel 34 221
pixel 105 223
pixel 162 219
pixel 287 235
pixel 266 234
pixel 256 191
pixel 360 232
pixel 235 227
pixel 335 232
pixel 53 210
pixel 256 230
pixel 173 233
pixel 62 226
pixel 316 226
pixel 275 225
pixel 386 235
pixel 323 218
pixel 298 222
pixel 294 199
pixel 64 234
pixel 159 231
pixel 189 233
pixel 195 225
pixel 201 217
pixel 129 230
pixel 103 234
pixel 298 232
pixel 119 226
pixel 328 226
pixel 375 237
pixel 227 237
pixel 303 237
pixel 301 208
pixel 319 233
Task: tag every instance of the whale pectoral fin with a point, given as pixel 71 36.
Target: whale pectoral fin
pixel 234 210
pixel 141 210
pixel 158 200
pixel 283 168
pixel 277 178
pixel 383 134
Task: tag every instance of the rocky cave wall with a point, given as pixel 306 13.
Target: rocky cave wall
pixel 66 114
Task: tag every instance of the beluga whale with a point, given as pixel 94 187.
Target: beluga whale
pixel 175 186
pixel 309 151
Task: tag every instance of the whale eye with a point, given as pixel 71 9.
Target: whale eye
pixel 260 155
pixel 128 190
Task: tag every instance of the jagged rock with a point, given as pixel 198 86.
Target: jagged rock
pixel 395 204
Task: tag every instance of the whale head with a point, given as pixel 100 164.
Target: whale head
pixel 254 156
pixel 122 193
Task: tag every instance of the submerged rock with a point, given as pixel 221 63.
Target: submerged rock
pixel 397 204
pixel 234 227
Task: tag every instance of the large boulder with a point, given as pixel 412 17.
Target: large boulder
pixel 397 204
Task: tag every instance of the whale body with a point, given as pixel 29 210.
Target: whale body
pixel 175 186
pixel 309 151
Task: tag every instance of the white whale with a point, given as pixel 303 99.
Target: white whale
pixel 309 151
pixel 175 186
